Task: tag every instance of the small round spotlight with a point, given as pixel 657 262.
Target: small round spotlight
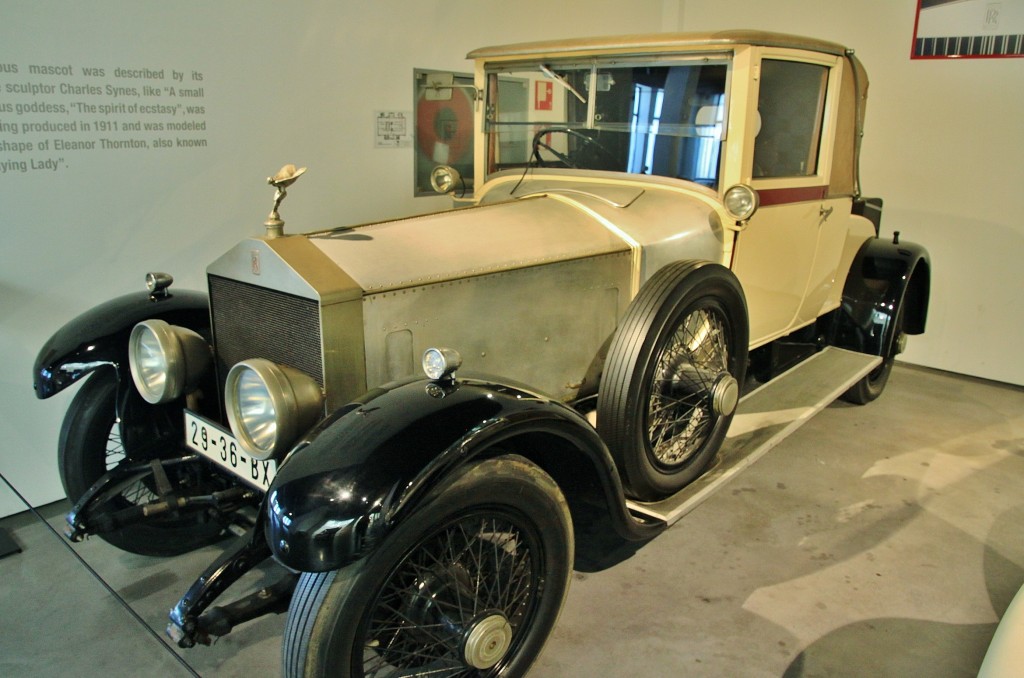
pixel 441 363
pixel 444 179
pixel 741 202
pixel 157 283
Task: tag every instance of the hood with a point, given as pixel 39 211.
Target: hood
pixel 546 218
pixel 467 242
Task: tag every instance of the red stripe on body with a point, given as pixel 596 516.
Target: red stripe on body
pixel 782 196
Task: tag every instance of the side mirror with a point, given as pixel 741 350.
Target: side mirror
pixel 439 86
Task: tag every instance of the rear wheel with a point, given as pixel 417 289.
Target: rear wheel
pixel 90 444
pixel 873 384
pixel 469 585
pixel 671 381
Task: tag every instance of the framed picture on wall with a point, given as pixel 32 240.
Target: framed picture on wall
pixel 968 29
pixel 444 104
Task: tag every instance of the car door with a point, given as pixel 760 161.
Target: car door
pixel 782 256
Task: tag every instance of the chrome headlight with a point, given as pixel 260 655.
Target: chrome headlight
pixel 441 363
pixel 166 360
pixel 741 202
pixel 270 405
pixel 444 179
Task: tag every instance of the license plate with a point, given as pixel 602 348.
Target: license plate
pixel 219 446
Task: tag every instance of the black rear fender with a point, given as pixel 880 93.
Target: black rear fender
pixel 884 278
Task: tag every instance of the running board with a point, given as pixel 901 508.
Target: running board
pixel 764 418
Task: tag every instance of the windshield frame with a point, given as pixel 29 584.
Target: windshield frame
pixel 535 70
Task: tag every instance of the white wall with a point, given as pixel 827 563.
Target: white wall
pixel 942 147
pixel 283 82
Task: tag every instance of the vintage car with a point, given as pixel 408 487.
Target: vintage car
pixel 652 224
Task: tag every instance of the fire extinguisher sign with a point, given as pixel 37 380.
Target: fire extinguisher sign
pixel 543 93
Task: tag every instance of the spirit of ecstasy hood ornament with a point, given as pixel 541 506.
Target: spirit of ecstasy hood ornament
pixel 284 178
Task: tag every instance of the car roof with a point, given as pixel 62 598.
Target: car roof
pixel 658 42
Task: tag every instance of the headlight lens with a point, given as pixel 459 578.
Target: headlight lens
pixel 166 360
pixel 270 405
pixel 741 202
pixel 256 414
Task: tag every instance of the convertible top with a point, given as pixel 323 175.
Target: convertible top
pixel 659 42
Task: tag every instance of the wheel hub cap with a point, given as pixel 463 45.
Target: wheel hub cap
pixel 487 640
pixel 724 395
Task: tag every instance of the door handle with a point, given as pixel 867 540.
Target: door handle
pixel 824 214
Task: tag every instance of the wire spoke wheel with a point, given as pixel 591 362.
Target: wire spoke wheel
pixel 91 444
pixel 671 380
pixel 456 602
pixel 136 493
pixel 680 413
pixel 470 584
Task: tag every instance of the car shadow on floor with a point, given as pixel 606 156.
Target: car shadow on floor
pixel 895 647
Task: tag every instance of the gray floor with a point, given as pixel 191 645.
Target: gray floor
pixel 875 541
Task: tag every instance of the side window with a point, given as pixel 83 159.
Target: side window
pixel 791 104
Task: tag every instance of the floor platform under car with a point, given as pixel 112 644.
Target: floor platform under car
pixel 764 418
pixel 881 540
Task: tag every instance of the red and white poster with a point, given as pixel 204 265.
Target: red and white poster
pixel 543 94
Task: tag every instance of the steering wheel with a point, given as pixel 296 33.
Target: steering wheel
pixel 562 157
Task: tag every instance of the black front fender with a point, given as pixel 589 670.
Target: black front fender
pixel 367 468
pixel 99 336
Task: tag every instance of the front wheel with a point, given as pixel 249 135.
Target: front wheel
pixel 671 381
pixel 469 585
pixel 91 444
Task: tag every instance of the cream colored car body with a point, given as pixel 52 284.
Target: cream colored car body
pixel 530 278
pixel 791 258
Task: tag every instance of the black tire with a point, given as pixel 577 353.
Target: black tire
pixel 871 386
pixel 90 445
pixel 672 377
pixel 494 546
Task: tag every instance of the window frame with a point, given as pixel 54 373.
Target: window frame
pixel 828 119
pixel 493 72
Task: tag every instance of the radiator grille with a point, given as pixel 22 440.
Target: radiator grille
pixel 255 322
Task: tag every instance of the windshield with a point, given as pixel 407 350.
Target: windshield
pixel 665 119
